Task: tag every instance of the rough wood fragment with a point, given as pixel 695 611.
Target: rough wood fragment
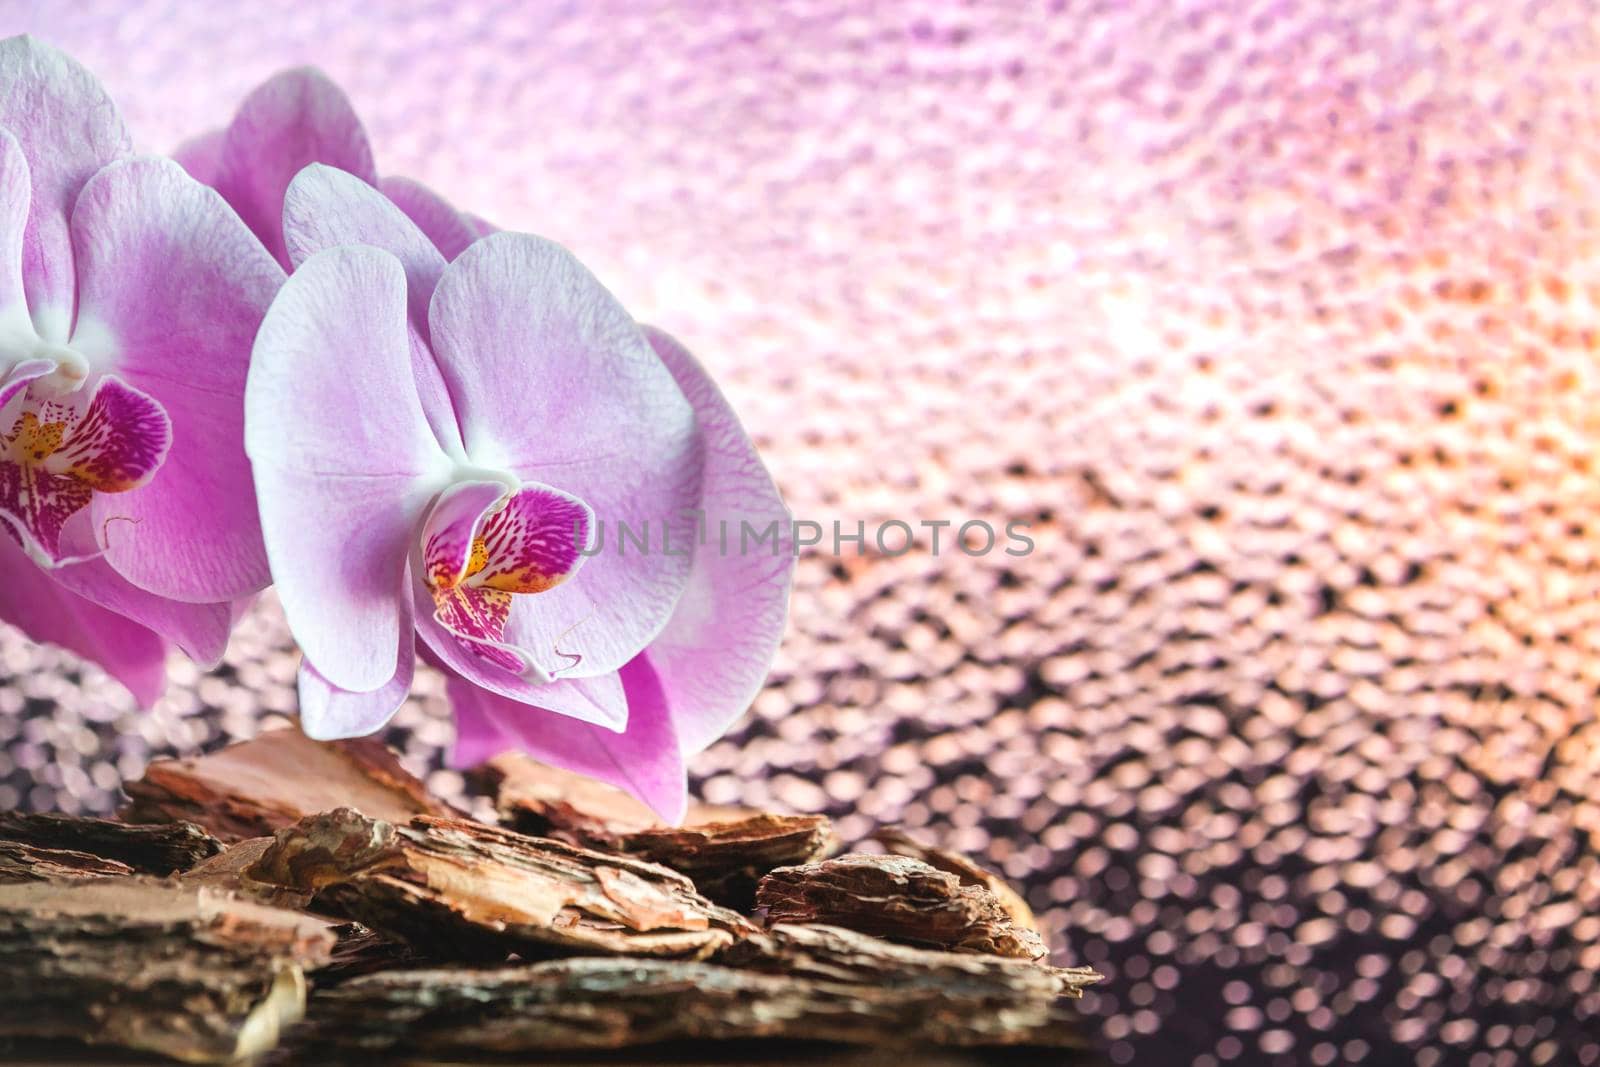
pixel 30 863
pixel 602 1003
pixel 361 950
pixel 897 897
pixel 727 859
pixel 149 965
pixel 724 850
pixel 229 870
pixel 834 954
pixel 536 798
pixel 461 890
pixel 902 843
pixel 275 779
pixel 159 850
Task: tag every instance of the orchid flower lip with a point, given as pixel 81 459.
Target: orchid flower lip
pixel 487 538
pixel 71 432
pixel 531 672
pixel 23 538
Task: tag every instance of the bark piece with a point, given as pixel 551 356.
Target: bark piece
pixel 724 850
pixel 897 897
pixel 601 1003
pixel 229 870
pixel 835 954
pixel 536 798
pixel 29 863
pixel 902 843
pixel 149 965
pixel 362 950
pixel 275 779
pixel 159 850
pixel 727 860
pixel 457 889
pixel 357 950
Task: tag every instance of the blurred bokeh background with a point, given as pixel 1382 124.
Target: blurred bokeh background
pixel 1279 320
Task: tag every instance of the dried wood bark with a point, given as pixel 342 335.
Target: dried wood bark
pixel 229 870
pixel 30 863
pixel 725 851
pixel 536 798
pixel 150 965
pixel 902 843
pixel 159 850
pixel 361 950
pixel 275 779
pixel 896 897
pixel 462 890
pixel 209 965
pixel 605 1003
pixel 835 954
pixel 727 860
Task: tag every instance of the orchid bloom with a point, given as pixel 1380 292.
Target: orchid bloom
pixel 433 443
pixel 132 654
pixel 293 119
pixel 129 297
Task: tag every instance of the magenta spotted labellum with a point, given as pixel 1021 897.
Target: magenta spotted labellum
pixel 68 443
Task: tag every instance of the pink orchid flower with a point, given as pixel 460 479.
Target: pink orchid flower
pixel 434 443
pixel 293 119
pixel 129 297
pixel 47 611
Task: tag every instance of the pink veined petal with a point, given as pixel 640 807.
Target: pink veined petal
pixel 16 192
pixel 525 543
pixel 34 505
pixel 454 523
pixel 481 226
pixel 598 700
pixel 449 230
pixel 68 129
pixel 202 156
pixel 553 381
pixel 643 760
pixel 479 737
pixel 171 290
pixel 535 541
pixel 14 480
pixel 450 535
pixel 325 208
pixel 238 609
pixel 715 652
pixel 476 618
pixel 344 462
pixel 292 119
pixel 328 713
pixel 56 459
pixel 119 442
pixel 199 630
pixel 33 601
